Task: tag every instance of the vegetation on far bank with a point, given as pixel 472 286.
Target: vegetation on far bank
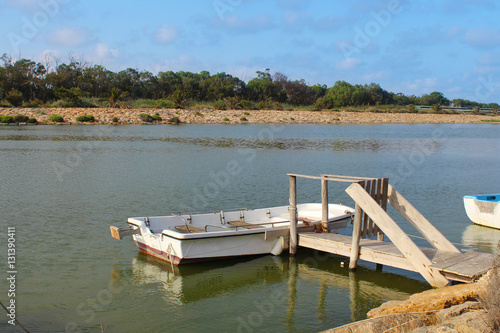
pixel 78 84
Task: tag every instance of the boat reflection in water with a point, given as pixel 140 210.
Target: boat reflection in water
pixel 312 277
pixel 481 238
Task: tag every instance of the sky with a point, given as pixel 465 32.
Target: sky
pixel 408 46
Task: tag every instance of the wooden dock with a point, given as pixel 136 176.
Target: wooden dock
pixel 439 265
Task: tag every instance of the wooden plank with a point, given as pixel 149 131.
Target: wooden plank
pixel 419 260
pixel 472 266
pixel 441 259
pixel 364 229
pixel 293 215
pixel 276 233
pixel 385 189
pixel 415 218
pixel 303 176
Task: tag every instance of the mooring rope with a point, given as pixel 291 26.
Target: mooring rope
pixel 17 321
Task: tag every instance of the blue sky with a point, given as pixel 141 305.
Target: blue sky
pixel 409 46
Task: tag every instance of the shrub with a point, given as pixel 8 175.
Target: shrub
pixel 156 117
pixel 15 98
pixel 56 118
pixel 164 104
pixel 226 119
pixel 146 117
pixel 115 119
pixel 179 99
pixel 70 96
pixel 32 121
pixel 232 103
pixel 245 104
pixel 412 108
pixel 36 103
pixel 220 105
pixel 174 120
pixel 246 113
pixel 86 118
pixel 20 118
pixel 243 119
pixel 6 119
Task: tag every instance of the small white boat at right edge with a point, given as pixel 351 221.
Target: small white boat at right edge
pixel 483 209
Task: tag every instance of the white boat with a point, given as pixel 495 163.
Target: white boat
pixel 185 237
pixel 483 209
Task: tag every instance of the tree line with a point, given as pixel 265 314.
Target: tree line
pixel 30 83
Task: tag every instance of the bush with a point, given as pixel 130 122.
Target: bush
pixel 86 118
pixel 226 119
pixel 32 121
pixel 220 105
pixel 36 103
pixel 412 108
pixel 149 119
pixel 56 118
pixel 20 119
pixel 174 120
pixel 146 117
pixel 247 105
pixel 6 119
pixel 156 117
pixel 243 119
pixel 115 119
pixel 164 104
pixel 14 97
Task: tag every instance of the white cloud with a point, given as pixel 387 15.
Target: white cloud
pixel 348 64
pixel 166 34
pixel 483 37
pixel 421 86
pixel 70 36
pixel 103 51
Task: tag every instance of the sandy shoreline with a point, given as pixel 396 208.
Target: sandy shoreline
pixel 188 116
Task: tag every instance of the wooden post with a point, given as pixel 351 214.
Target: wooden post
pixel 356 235
pixel 324 203
pixel 292 209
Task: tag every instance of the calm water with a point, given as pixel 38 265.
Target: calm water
pixel 62 186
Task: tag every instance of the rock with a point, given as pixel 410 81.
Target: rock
pixel 435 299
pixel 396 323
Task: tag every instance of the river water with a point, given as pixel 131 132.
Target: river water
pixel 61 187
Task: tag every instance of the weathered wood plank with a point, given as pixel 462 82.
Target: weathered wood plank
pixel 356 235
pixel 411 251
pixel 442 259
pixel 324 201
pixel 419 222
pixel 473 266
pixel 276 233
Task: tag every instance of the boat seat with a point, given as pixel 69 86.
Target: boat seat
pixel 188 229
pixel 244 224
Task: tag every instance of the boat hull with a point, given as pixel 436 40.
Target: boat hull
pixel 483 209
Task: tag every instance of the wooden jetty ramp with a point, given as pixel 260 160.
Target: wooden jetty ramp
pixel 439 264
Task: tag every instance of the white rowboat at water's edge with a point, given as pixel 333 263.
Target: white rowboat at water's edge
pixel 186 238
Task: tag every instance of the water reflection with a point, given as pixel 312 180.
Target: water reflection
pixel 481 238
pixel 320 276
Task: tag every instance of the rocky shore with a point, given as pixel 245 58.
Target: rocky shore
pixel 188 116
pixel 449 309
